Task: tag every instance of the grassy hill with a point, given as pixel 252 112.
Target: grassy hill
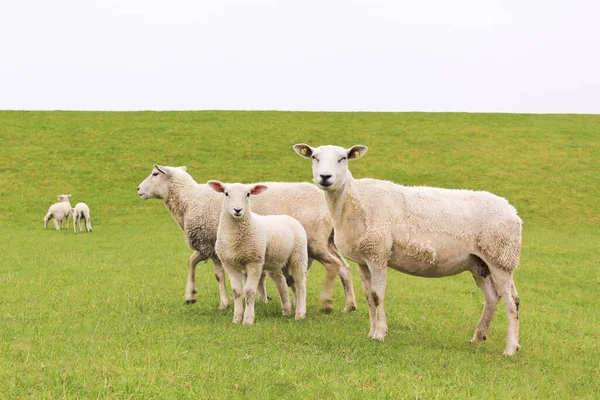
pixel 102 314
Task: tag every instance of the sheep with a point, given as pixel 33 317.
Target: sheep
pixel 248 243
pixel 422 231
pixel 59 211
pixel 79 212
pixel 196 209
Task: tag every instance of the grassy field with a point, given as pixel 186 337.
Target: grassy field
pixel 102 315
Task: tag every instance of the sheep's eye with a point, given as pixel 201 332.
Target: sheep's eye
pixel 226 194
pixel 341 159
pixel 315 158
pixel 248 195
pixel 154 173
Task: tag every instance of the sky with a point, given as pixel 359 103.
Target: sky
pixel 526 56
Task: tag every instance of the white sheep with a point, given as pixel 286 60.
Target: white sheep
pixel 59 211
pixel 248 244
pixel 421 231
pixel 196 209
pixel 81 212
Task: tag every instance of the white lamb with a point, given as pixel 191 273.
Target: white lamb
pixel 196 209
pixel 248 243
pixel 421 231
pixel 81 212
pixel 59 211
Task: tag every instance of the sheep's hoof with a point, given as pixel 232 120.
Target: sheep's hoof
pixel 327 309
pixel 378 336
pixel 300 316
pixel 286 313
pixel 194 291
pixel 237 320
pixel 478 339
pixel 192 301
pixel 248 322
pixel 223 306
pixel 511 351
pixel 350 308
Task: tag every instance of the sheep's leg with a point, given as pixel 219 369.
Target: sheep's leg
pixel 507 290
pixel 491 302
pixel 253 274
pixel 190 287
pixel 299 275
pixel 378 284
pixel 67 218
pixel 56 226
pixel 220 277
pixel 336 265
pixel 88 224
pixel 75 225
pixel 262 289
pixel 365 277
pixel 237 288
pixel 284 295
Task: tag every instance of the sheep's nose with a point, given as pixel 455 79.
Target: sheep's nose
pixel 237 210
pixel 325 177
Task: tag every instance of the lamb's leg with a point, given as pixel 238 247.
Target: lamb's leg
pixel 88 224
pixel 262 289
pixel 491 302
pixel 299 274
pixel 254 272
pixel 378 284
pixel 235 278
pixel 67 218
pixel 190 287
pixel 284 295
pixel 56 225
pixel 75 224
pixel 220 276
pixel 365 277
pixel 507 290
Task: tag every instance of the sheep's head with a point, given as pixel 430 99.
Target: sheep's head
pixel 63 197
pixel 156 185
pixel 237 196
pixel 330 163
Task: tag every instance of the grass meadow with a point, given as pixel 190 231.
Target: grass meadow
pixel 102 315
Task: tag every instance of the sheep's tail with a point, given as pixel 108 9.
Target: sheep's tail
pixel 503 248
pixel 332 246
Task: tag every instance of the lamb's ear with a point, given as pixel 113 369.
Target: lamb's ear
pixel 73 210
pixel 357 151
pixel 216 186
pixel 68 195
pixel 303 150
pixel 258 189
pixel 183 168
pixel 160 169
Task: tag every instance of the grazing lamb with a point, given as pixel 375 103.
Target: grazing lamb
pixel 248 243
pixel 59 211
pixel 196 208
pixel 421 231
pixel 80 212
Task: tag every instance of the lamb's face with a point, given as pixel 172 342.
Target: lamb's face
pixel 63 197
pixel 155 186
pixel 330 163
pixel 237 196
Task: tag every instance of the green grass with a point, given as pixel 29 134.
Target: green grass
pixel 102 315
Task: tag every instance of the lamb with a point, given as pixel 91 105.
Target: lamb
pixel 59 211
pixel 79 212
pixel 248 243
pixel 196 209
pixel 422 231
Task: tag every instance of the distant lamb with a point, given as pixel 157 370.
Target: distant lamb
pixel 80 213
pixel 421 231
pixel 59 212
pixel 248 243
pixel 196 209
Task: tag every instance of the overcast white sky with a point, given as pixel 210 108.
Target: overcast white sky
pixel 372 55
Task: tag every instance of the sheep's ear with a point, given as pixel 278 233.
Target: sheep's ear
pixel 183 168
pixel 258 189
pixel 160 169
pixel 356 151
pixel 216 186
pixel 68 195
pixel 303 150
